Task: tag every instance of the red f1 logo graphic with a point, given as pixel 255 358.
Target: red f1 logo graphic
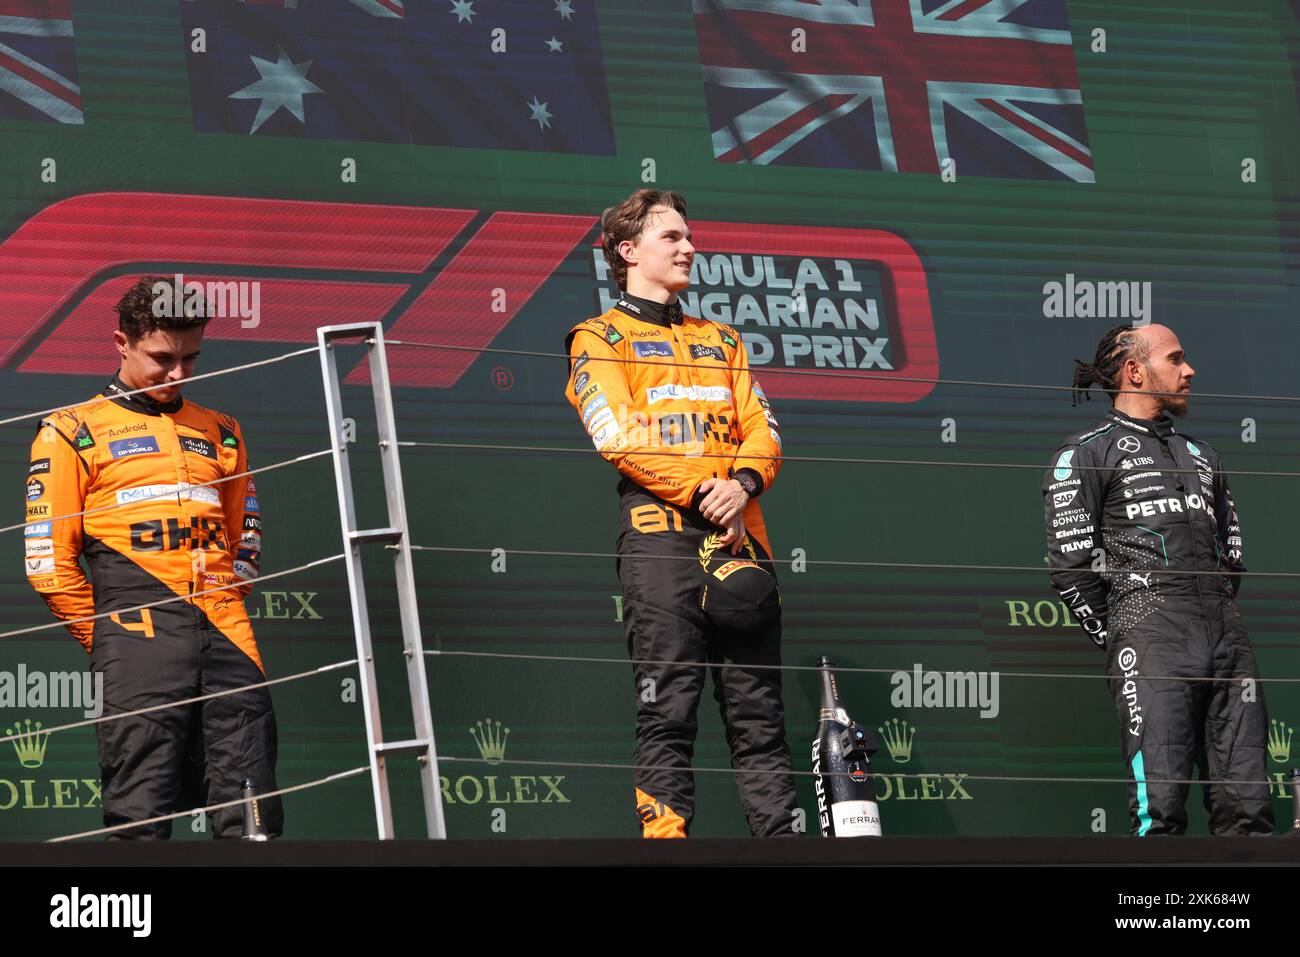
pixel 63 270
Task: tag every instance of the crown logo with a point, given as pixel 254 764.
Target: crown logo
pixel 1279 746
pixel 491 740
pixel 898 736
pixel 30 743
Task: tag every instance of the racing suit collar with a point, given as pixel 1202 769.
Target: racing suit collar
pixel 141 401
pixel 647 310
pixel 1161 428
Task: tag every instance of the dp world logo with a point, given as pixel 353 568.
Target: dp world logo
pixel 1128 444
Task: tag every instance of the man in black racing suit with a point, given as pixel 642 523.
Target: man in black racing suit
pixel 1131 505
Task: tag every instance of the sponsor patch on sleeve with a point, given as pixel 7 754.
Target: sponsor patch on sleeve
pixel 39 547
pixel 40 566
pixel 39 467
pixel 35 489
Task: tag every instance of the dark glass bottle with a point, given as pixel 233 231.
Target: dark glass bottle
pixel 841 766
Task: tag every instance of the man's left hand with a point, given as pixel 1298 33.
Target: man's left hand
pixel 724 501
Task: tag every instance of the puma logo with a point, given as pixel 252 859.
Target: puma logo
pixel 1144 579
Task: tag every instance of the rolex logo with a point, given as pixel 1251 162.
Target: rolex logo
pixel 1279 741
pixel 491 740
pixel 30 743
pixel 898 736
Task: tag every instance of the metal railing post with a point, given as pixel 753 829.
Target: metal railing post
pixel 397 535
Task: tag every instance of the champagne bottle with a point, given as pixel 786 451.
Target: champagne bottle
pixel 841 766
pixel 254 829
pixel 1294 775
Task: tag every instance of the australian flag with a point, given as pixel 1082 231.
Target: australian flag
pixel 895 85
pixel 38 63
pixel 496 74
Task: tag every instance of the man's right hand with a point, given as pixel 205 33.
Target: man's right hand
pixel 735 535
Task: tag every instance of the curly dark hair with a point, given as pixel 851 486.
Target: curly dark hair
pixel 136 316
pixel 626 221
pixel 1117 346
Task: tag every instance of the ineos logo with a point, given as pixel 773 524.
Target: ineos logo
pixel 1128 444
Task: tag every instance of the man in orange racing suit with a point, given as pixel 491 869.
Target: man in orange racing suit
pixel 138 466
pixel 668 399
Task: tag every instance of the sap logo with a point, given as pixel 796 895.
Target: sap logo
pixel 1062 499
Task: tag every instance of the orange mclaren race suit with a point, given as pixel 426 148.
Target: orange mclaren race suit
pixel 669 400
pixel 153 529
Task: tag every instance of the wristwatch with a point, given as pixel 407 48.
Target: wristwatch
pixel 749 482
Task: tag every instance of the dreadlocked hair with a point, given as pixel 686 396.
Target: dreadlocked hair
pixel 1121 343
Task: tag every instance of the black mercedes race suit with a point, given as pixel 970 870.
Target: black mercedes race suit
pixel 1129 505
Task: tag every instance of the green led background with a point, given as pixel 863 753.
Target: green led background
pixel 1182 95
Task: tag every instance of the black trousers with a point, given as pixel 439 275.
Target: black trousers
pixel 664 622
pixel 1170 727
pixel 188 756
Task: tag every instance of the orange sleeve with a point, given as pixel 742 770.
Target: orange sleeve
pixel 57 482
pixel 598 389
pixel 243 512
pixel 760 435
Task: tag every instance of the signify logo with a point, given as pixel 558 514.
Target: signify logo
pixel 76 910
pixel 946 689
pixel 53 689
pixel 226 300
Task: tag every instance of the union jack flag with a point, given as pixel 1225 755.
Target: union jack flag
pixel 38 65
pixel 895 85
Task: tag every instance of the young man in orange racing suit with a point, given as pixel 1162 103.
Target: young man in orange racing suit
pixel 137 465
pixel 669 400
pixel 1153 502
